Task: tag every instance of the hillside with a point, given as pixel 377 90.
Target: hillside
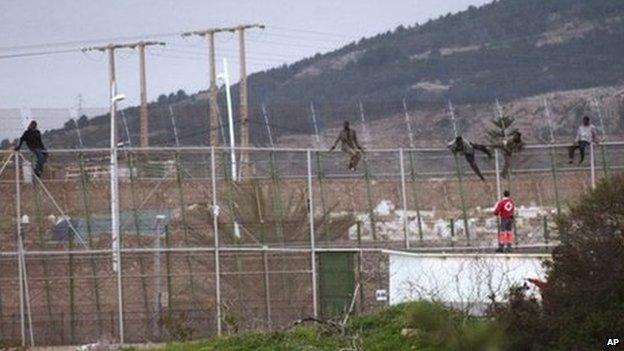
pixel 505 50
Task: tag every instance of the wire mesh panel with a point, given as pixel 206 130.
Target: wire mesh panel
pixel 170 297
pixel 349 203
pixel 263 218
pixel 289 287
pixel 8 203
pixel 72 298
pixel 10 316
pixel 261 289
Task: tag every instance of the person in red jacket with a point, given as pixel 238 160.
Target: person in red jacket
pixel 505 211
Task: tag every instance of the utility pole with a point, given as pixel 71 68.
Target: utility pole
pixel 110 48
pixel 213 91
pixel 144 120
pixel 243 109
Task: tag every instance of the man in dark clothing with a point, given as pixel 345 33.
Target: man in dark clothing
pixel 463 146
pixel 32 138
pixel 511 145
pixel 350 145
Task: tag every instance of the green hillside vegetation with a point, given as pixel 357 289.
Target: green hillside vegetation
pixel 412 326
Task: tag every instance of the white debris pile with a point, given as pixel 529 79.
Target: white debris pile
pixel 384 208
pixel 102 345
pixel 389 224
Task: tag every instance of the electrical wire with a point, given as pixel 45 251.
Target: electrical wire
pixel 39 53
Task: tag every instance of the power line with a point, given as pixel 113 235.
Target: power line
pixel 196 49
pixel 39 53
pixel 83 43
pixel 293 44
pixel 311 32
pixel 199 56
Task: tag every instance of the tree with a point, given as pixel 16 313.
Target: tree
pixel 181 95
pixel 83 121
pixel 584 301
pixel 583 295
pixel 71 124
pixel 502 127
pixel 504 136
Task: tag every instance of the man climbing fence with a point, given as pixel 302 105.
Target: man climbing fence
pixel 32 138
pixel 349 144
pixel 467 148
pixel 511 145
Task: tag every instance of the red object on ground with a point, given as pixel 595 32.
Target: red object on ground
pixel 539 283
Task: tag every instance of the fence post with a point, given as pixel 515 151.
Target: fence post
pixel 369 198
pixel 312 244
pixel 120 291
pixel 267 289
pixel 18 226
pixel 215 227
pixel 416 199
pixel 555 177
pixel 404 199
pixel 546 233
pixel 605 166
pixel 452 232
pixel 461 197
pixel 326 215
pixel 87 214
pixel 359 260
pixel 592 165
pixel 498 180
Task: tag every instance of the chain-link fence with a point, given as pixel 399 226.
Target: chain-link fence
pixel 210 246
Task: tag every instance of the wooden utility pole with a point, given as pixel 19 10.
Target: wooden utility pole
pixel 214 104
pixel 244 109
pixel 144 120
pixel 110 48
pixel 213 91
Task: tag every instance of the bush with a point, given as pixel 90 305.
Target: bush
pixel 583 298
pixel 522 319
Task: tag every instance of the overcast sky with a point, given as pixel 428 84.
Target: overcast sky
pixel 295 29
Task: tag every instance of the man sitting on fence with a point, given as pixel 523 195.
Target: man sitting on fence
pixel 586 134
pixel 504 209
pixel 349 144
pixel 32 138
pixel 463 146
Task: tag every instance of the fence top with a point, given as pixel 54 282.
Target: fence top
pixel 466 254
pixel 283 149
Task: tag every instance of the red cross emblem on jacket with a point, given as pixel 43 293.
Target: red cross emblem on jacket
pixel 505 208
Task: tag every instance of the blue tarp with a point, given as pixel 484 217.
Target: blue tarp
pixel 101 224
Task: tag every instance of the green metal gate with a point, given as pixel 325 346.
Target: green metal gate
pixel 336 282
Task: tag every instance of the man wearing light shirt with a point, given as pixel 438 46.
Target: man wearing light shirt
pixel 586 134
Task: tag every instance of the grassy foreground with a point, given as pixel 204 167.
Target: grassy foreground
pixel 412 326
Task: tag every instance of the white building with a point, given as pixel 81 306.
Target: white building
pixel 464 280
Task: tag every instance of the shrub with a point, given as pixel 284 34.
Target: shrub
pixel 583 297
pixel 437 327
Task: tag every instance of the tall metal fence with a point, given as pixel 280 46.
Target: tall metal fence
pixel 209 246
